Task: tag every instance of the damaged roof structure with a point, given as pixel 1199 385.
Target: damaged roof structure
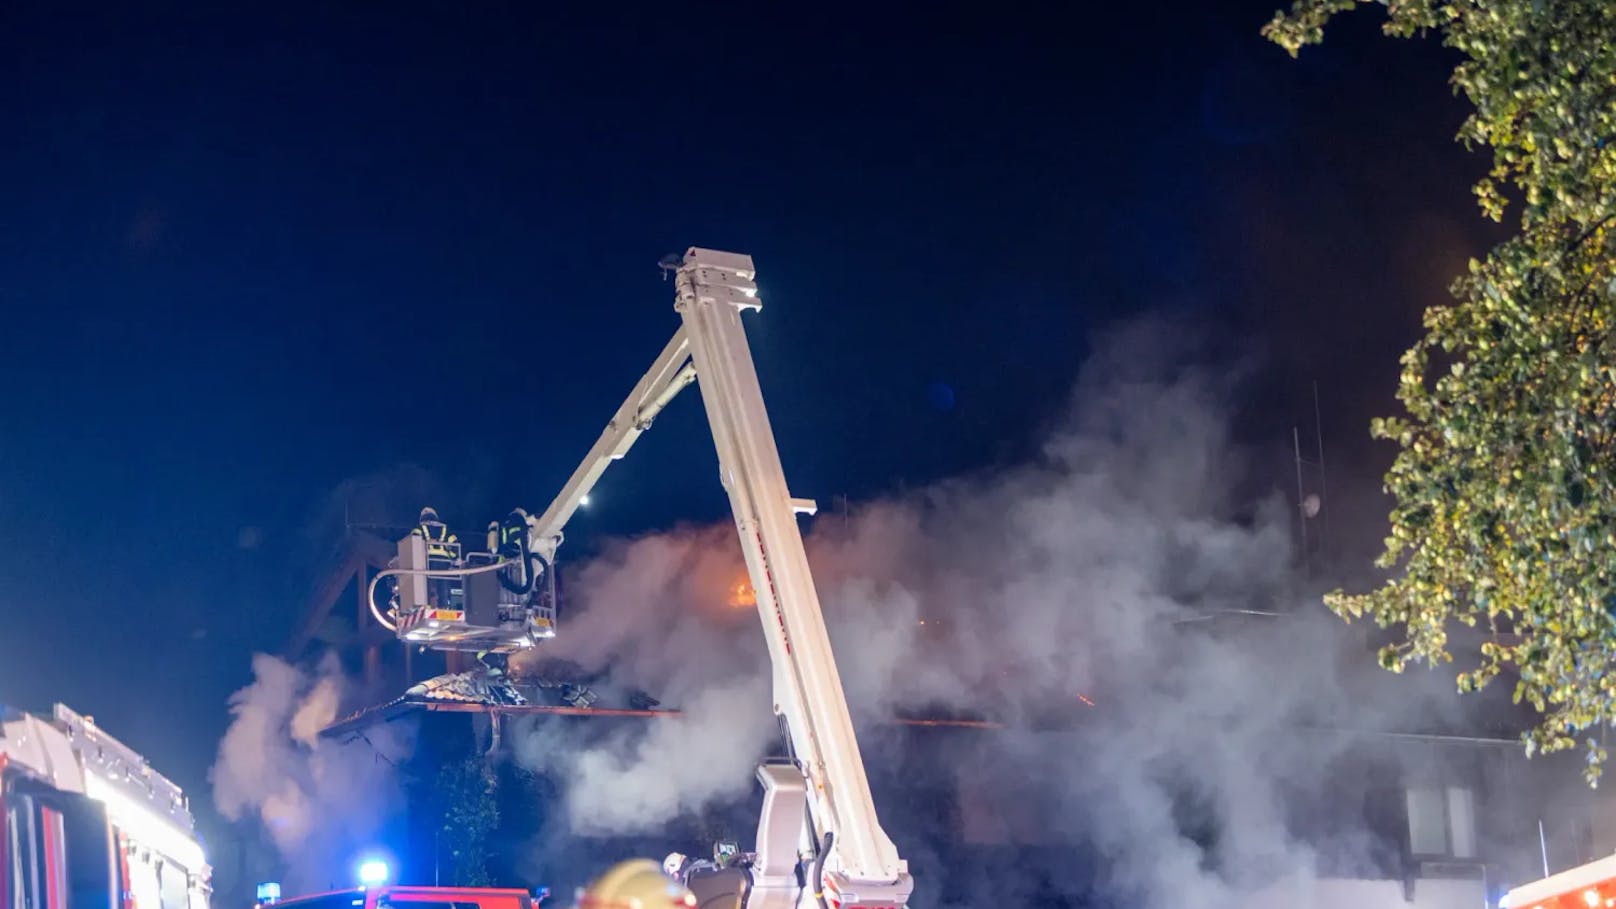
pixel 556 688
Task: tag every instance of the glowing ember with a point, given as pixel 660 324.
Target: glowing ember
pixel 742 595
pixel 1085 699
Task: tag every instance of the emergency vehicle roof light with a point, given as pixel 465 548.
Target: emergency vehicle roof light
pixel 372 872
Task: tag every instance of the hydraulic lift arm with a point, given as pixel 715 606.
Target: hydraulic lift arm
pixel 667 376
pixel 820 843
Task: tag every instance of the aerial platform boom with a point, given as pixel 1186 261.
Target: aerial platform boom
pixel 861 866
pixel 820 844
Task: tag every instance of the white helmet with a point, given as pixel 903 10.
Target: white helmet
pixel 636 884
pixel 673 863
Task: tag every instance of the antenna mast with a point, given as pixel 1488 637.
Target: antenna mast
pixel 1310 506
pixel 1301 500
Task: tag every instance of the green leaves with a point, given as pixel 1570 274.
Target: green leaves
pixel 470 815
pixel 1505 513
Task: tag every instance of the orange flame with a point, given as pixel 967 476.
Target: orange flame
pixel 741 594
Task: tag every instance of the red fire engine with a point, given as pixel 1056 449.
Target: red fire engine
pixel 402 897
pixel 86 824
pixel 1590 886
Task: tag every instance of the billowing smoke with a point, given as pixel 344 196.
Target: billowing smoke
pixel 660 621
pixel 318 799
pixel 1108 588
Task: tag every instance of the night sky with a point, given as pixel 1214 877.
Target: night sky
pixel 250 253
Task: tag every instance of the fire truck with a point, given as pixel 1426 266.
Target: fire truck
pixel 402 897
pixel 85 823
pixel 819 842
pixel 1590 886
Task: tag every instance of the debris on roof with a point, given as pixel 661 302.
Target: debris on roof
pixel 479 686
pixel 554 688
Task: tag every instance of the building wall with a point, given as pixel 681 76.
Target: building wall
pixel 1450 817
pixel 1366 894
pixel 962 789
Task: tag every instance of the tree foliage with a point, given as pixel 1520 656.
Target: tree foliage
pixel 1505 505
pixel 469 817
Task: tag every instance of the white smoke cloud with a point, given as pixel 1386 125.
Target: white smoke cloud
pixel 318 799
pixel 636 780
pixel 655 614
pixel 1082 577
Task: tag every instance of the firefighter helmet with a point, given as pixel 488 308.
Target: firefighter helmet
pixel 636 884
pixel 673 863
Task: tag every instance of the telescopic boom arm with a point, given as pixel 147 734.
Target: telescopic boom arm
pixel 819 818
pixel 668 376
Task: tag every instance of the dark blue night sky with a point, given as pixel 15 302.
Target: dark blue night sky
pixel 249 252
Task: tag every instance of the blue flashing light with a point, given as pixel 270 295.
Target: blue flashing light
pixel 372 872
pixel 269 892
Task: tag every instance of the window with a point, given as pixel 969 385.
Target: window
pixel 19 839
pixel 88 849
pixel 173 886
pixel 1427 821
pixel 1441 821
pixel 1461 823
pixel 143 883
pixel 346 899
pixel 61 851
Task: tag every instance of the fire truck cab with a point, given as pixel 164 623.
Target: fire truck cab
pixel 85 823
pixel 404 897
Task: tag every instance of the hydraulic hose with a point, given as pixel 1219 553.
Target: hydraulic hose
pixel 533 565
pixel 818 883
pixel 438 573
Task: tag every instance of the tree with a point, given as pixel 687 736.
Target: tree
pixel 1504 511
pixel 468 819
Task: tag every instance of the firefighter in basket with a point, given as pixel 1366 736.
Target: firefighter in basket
pixel 442 553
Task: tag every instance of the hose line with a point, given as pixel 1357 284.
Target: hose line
pixel 443 574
